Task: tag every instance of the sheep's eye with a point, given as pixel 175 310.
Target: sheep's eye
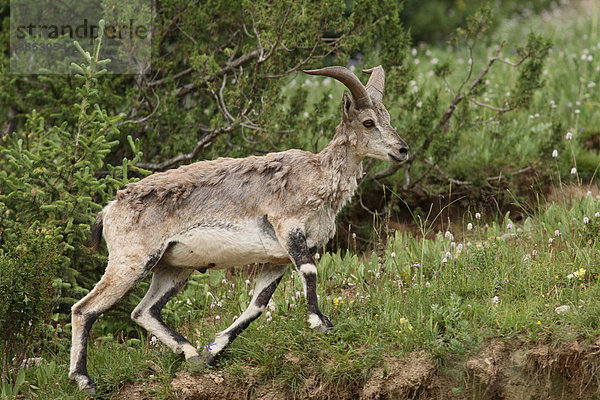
pixel 369 123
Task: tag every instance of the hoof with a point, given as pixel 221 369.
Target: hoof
pixel 323 328
pixel 195 360
pixel 84 382
pixel 89 389
pixel 195 365
pixel 208 357
pixel 325 325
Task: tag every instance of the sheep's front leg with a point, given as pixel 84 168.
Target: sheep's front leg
pixel 305 265
pixel 266 283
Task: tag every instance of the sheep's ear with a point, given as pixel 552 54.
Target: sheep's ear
pixel 347 107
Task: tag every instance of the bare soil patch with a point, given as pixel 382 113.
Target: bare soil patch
pixel 500 370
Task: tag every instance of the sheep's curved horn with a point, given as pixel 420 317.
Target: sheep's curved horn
pixel 347 77
pixel 376 82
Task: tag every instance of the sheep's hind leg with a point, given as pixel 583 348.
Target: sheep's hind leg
pixel 167 281
pixel 266 283
pixel 114 284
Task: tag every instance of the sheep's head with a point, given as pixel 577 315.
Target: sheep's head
pixel 365 117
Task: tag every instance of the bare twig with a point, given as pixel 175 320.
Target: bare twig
pixel 176 76
pixel 303 62
pixel 202 143
pixel 143 119
pixel 279 34
pixel 222 101
pixel 500 110
pixel 499 177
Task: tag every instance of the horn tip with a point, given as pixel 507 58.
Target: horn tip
pixel 370 70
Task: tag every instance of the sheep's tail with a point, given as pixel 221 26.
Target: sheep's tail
pixel 96 237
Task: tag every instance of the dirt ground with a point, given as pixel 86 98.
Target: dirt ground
pixel 501 370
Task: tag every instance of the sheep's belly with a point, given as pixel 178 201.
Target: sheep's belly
pixel 220 247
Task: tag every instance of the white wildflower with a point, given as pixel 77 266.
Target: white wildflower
pixel 562 309
pixel 555 153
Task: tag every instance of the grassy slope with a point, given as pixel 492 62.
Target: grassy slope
pixel 504 284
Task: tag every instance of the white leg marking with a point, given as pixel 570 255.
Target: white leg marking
pixel 308 269
pixel 314 320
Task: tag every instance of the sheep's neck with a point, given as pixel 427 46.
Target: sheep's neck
pixel 342 169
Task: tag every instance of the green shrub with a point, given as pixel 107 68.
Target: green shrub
pixel 55 177
pixel 28 265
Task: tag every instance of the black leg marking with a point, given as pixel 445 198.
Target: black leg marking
pixel 311 293
pixel 298 249
pixel 153 260
pixel 81 364
pixel 261 301
pixel 155 312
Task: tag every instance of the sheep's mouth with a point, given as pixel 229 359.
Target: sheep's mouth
pixel 398 159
